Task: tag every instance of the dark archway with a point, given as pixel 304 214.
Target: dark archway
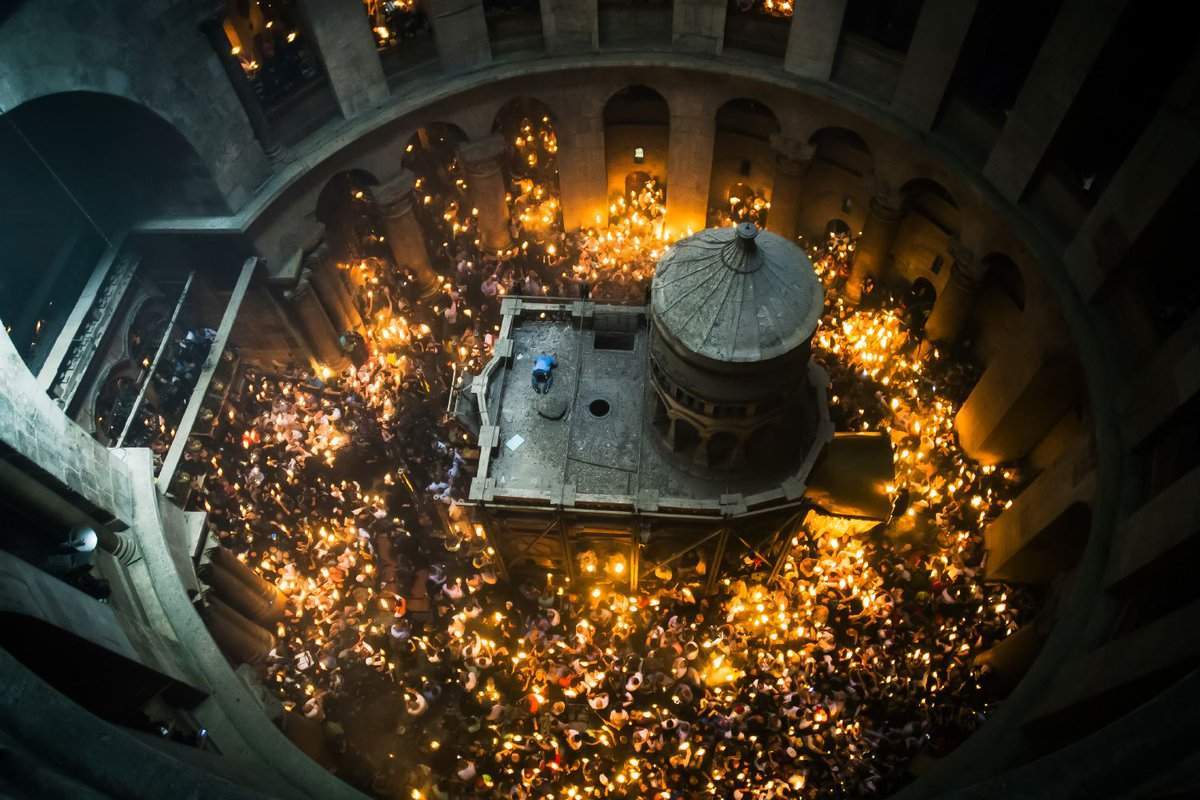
pixel 77 169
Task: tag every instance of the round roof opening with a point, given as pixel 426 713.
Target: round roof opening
pixel 599 408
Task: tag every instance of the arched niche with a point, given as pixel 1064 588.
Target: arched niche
pixel 637 131
pixel 743 163
pixel 931 221
pixel 838 183
pixel 531 165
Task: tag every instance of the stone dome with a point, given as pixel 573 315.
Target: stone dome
pixel 737 295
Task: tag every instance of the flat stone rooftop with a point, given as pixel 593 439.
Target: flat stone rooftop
pixel 603 452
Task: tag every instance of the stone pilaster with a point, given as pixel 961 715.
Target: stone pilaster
pixel 318 330
pixel 581 170
pixel 346 47
pixel 689 164
pixel 1022 393
pixel 402 230
pixel 485 187
pixel 698 26
pixel 954 303
pixel 792 160
pixel 1075 39
pixel 874 248
pixel 460 33
pixel 941 30
pixel 255 114
pixel 335 296
pixel 570 26
pixel 813 38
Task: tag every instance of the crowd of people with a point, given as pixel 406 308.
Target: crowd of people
pixel 431 676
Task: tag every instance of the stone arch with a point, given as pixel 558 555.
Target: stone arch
pixel 635 117
pixel 742 160
pixel 136 164
pixel 39 69
pixel 839 182
pixel 80 168
pixel 344 208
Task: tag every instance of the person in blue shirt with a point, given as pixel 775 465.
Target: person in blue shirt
pixel 543 374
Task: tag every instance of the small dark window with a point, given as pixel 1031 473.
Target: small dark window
pixel 744 168
pixel 936 266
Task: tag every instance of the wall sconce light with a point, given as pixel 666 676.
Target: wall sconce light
pixel 639 155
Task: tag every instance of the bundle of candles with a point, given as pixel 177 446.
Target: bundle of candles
pixel 432 677
pixel 744 204
pixel 774 8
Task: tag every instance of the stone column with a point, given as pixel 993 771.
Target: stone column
pixel 485 187
pixel 215 33
pixel 874 248
pixel 1075 39
pixel 570 26
pixel 1043 531
pixel 689 164
pixel 240 640
pixel 1019 397
pixel 698 26
pixel 460 33
pixel 941 30
pixel 346 47
pixel 1165 153
pixel 335 296
pixel 314 322
pixel 119 544
pixel 813 38
pixel 402 230
pixel 792 160
pixel 954 302
pixel 582 180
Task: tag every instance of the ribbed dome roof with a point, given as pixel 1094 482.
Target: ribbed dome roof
pixel 737 294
